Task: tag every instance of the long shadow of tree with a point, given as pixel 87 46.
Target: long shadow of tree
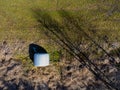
pixel 23 85
pixel 69 34
pixel 11 85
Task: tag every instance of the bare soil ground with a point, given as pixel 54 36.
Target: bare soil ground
pixel 67 75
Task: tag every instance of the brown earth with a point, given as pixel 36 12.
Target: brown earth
pixel 66 75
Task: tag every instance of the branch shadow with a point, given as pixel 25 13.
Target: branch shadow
pixel 63 33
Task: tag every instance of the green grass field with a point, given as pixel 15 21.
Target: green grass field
pixel 17 19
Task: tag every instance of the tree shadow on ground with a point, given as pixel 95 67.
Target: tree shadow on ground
pixel 67 33
pixel 22 84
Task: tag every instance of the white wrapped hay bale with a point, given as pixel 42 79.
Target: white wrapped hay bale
pixel 41 59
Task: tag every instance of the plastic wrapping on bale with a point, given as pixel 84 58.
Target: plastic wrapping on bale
pixel 38 55
pixel 41 59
